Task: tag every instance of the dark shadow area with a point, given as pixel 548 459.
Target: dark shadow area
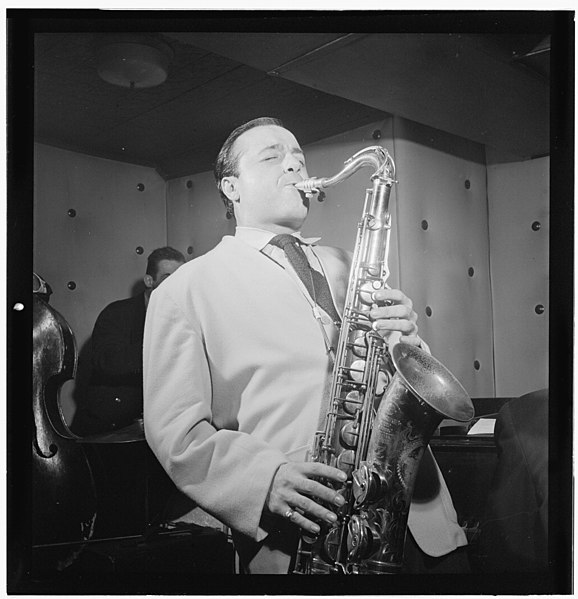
pixel 82 378
pixel 137 287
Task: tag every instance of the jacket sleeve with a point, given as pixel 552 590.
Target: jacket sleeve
pixel 227 472
pixel 114 352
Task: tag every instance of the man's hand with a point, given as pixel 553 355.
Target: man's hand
pixel 393 317
pixel 293 494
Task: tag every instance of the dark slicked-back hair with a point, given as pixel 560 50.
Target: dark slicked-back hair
pixel 165 253
pixel 227 163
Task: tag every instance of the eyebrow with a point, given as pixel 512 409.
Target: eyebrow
pixel 294 149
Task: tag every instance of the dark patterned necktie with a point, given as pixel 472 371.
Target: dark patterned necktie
pixel 313 280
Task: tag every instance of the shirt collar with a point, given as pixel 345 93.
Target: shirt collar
pixel 259 238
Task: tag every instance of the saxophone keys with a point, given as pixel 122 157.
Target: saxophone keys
pixel 309 538
pixel 352 403
pixel 359 346
pixel 367 289
pixel 367 485
pixel 356 370
pixel 373 223
pixel 332 544
pixel 383 379
pixel 360 489
pixel 363 539
pixel 349 435
pixel 345 461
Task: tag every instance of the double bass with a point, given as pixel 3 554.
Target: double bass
pixel 64 501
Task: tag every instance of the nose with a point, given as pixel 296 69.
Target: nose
pixel 291 163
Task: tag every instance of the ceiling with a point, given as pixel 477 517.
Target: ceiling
pixel 493 89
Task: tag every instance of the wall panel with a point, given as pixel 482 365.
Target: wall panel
pixel 519 236
pixel 196 215
pixel 444 248
pixel 96 248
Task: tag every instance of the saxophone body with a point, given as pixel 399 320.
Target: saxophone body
pixel 383 406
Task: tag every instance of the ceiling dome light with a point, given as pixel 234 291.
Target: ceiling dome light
pixel 134 61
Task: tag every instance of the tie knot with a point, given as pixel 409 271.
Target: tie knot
pixel 283 240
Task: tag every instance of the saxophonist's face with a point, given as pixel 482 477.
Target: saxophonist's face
pixel 270 162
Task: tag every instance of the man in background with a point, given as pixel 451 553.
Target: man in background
pixel 114 397
pixel 514 532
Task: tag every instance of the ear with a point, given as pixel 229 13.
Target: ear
pixel 230 188
pixel 148 281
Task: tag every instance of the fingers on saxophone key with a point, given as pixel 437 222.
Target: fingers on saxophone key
pixel 391 296
pixel 399 311
pixel 313 519
pixel 312 508
pixel 306 505
pixel 296 516
pixel 384 326
pixel 318 470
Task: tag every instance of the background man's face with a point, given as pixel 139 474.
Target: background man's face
pixel 165 268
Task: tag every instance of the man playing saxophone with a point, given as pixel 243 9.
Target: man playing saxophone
pixel 237 355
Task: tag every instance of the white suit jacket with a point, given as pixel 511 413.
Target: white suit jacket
pixel 235 366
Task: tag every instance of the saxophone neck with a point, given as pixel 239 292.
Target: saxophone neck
pixel 374 156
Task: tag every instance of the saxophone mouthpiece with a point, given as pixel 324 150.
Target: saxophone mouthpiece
pixel 310 186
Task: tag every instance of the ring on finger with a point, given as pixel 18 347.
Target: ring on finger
pixel 289 514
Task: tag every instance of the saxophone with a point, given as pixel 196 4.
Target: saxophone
pixel 383 406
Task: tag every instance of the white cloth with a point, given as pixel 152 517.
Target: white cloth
pixel 434 523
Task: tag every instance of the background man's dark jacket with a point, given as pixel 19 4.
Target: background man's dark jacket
pixel 114 397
